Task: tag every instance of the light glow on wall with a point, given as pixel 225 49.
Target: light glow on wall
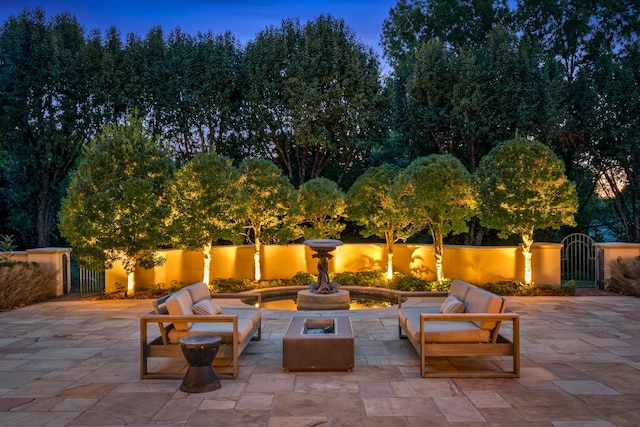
pixel 473 264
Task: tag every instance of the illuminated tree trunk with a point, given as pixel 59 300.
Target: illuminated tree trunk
pixel 527 241
pixel 206 251
pixel 129 265
pixel 389 240
pixel 256 259
pixel 131 283
pixel 437 252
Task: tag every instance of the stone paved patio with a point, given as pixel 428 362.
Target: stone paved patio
pixel 76 363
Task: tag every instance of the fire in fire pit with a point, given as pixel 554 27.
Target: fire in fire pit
pixel 319 326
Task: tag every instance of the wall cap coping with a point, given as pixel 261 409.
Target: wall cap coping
pixel 48 250
pixel 546 245
pixel 625 245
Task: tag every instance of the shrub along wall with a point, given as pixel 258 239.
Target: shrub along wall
pixel 23 283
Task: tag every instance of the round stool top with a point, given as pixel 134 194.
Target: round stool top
pixel 200 339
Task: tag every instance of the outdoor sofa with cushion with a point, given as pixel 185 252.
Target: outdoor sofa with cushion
pixel 193 310
pixel 466 323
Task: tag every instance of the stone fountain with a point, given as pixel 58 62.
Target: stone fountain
pixel 323 294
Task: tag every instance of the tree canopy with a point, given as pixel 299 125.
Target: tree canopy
pixel 266 197
pixel 373 205
pixel 47 117
pixel 523 188
pixel 439 194
pixel 116 209
pixel 322 205
pixel 457 24
pixel 309 96
pixel 203 196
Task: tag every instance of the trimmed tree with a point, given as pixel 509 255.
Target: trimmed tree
pixel 115 209
pixel 374 207
pixel 440 195
pixel 203 198
pixel 523 187
pixel 322 204
pixel 265 199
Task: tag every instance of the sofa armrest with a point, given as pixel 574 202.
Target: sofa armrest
pixel 162 319
pixel 239 295
pixel 468 317
pixel 170 318
pixel 514 318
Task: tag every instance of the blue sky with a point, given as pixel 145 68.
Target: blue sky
pixel 244 18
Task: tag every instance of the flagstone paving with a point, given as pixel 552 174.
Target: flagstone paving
pixel 76 363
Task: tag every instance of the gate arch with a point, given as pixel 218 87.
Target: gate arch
pixel 578 261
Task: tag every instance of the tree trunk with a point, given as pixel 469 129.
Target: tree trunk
pixel 206 252
pixel 256 259
pixel 389 239
pixel 129 266
pixel 131 283
pixel 43 216
pixel 437 251
pixel 527 241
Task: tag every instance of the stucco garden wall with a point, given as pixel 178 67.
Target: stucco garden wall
pixel 473 264
pixel 58 258
pixel 479 264
pixel 610 252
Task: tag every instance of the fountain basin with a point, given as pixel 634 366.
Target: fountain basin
pixel 308 300
pixel 362 297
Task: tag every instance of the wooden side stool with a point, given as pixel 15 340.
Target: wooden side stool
pixel 200 351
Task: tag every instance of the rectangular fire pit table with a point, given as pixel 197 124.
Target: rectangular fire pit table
pixel 318 344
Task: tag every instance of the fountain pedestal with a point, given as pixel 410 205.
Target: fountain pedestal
pixel 323 294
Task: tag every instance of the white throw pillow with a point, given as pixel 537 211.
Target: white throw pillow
pixel 452 305
pixel 206 307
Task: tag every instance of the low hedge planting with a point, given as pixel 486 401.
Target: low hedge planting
pixel 23 283
pixel 399 282
pixel 625 277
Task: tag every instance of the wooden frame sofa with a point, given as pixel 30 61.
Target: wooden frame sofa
pixel 236 324
pixel 467 323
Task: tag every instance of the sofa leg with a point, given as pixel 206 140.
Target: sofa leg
pixel 258 335
pixel 402 337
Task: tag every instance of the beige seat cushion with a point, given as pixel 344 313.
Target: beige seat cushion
pixel 222 329
pixel 253 314
pixel 179 304
pixel 481 301
pixel 446 331
pixel 414 312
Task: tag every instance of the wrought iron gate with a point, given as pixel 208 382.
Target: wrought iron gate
pixel 91 282
pixel 578 261
pixel 86 281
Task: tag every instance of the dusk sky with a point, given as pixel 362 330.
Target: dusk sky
pixel 244 18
